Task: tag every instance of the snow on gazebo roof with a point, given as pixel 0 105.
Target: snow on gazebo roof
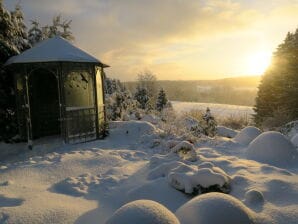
pixel 55 49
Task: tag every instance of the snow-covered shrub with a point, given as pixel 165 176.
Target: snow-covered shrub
pixel 246 135
pixel 273 148
pixel 201 181
pixel 215 208
pixel 143 211
pixel 185 151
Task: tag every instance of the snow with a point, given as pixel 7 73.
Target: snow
pixel 225 132
pixel 273 148
pixel 218 110
pixel 215 208
pixel 294 140
pixel 254 197
pixel 246 135
pixel 53 50
pixel 143 211
pixel 88 182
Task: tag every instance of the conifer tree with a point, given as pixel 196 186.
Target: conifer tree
pixel 278 92
pixel 142 97
pixel 34 33
pixel 161 100
pixel 20 39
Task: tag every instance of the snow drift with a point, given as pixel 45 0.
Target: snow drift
pixel 294 140
pixel 273 148
pixel 214 208
pixel 246 135
pixel 143 211
pixel 225 132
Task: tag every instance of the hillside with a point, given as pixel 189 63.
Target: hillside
pixel 236 91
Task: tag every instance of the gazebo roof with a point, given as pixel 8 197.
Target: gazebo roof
pixel 55 49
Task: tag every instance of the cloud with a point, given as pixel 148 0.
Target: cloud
pixel 132 35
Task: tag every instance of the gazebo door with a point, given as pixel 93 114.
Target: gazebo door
pixel 80 107
pixel 44 103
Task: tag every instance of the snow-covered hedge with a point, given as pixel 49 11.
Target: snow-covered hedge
pixel 215 208
pixel 246 135
pixel 273 148
pixel 144 212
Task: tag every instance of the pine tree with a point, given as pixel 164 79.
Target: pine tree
pixel 20 39
pixel 210 127
pixel 58 28
pixel 7 97
pixel 161 100
pixel 142 97
pixel 278 92
pixel 34 33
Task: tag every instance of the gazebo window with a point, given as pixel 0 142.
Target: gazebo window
pixel 79 92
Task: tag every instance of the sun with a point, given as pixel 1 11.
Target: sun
pixel 257 63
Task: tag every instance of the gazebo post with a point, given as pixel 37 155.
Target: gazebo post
pixel 28 112
pixel 95 101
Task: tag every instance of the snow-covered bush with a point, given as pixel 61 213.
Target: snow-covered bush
pixel 246 135
pixel 201 181
pixel 215 208
pixel 143 211
pixel 185 151
pixel 273 148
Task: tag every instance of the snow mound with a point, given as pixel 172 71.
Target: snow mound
pixel 199 181
pixel 185 151
pixel 135 128
pixel 294 140
pixel 225 132
pixel 246 135
pixel 214 208
pixel 160 191
pixel 254 197
pixel 273 148
pixel 143 211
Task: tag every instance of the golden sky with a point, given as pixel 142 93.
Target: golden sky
pixel 175 39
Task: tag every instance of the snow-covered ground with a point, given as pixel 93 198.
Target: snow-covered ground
pixel 218 110
pixel 87 183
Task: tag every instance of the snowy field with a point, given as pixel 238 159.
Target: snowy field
pixel 219 110
pixel 87 183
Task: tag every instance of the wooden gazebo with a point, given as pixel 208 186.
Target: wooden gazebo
pixel 59 91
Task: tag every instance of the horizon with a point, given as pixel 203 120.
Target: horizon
pixel 197 40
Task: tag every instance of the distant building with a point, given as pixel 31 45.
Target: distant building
pixel 59 91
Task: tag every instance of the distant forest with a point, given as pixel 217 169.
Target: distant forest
pixel 236 91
